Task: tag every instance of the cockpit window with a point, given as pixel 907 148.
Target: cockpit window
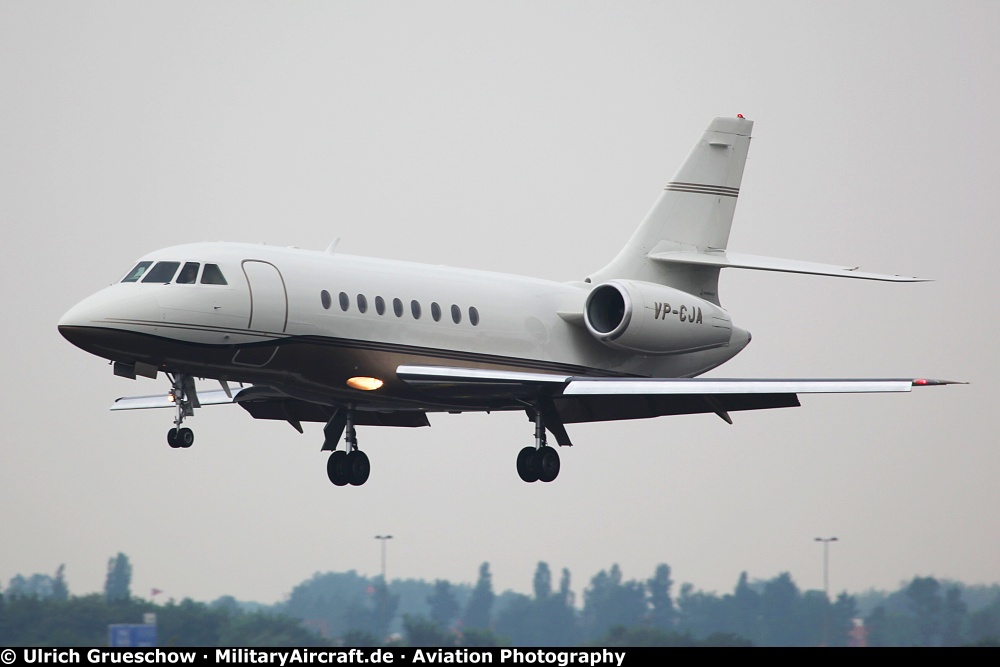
pixel 162 272
pixel 137 272
pixel 188 274
pixel 212 275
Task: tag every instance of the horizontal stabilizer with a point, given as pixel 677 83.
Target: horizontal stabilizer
pixel 731 260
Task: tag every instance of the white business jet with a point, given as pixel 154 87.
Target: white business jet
pixel 300 335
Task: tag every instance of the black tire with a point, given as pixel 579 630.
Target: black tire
pixel 548 464
pixel 172 438
pixel 527 465
pixel 185 438
pixel 360 467
pixel 336 468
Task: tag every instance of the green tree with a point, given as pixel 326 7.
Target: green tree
pixel 842 616
pixel 421 631
pixel 954 615
pixel 609 602
pixel 481 638
pixel 699 613
pixel 778 611
pixel 984 624
pixel 662 606
pixel 891 628
pixel 262 630
pixel 376 618
pixel 117 585
pixel 564 588
pixel 926 604
pixel 478 612
pixel 547 619
pixel 444 606
pixel 190 623
pixel 746 615
pixel 334 603
pixel 60 591
pixel 622 636
pixel 542 583
pixel 359 639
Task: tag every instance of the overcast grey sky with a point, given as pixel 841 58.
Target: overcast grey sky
pixel 526 137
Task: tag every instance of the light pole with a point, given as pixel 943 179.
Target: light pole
pixel 385 583
pixel 826 563
pixel 826 586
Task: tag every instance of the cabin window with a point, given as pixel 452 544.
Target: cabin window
pixel 324 297
pixel 162 272
pixel 456 314
pixel 397 307
pixel 435 311
pixel 380 305
pixel 345 301
pixel 362 303
pixel 415 309
pixel 212 275
pixel 137 272
pixel 474 316
pixel 189 274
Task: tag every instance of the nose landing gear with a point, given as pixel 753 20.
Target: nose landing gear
pixel 180 438
pixel 185 398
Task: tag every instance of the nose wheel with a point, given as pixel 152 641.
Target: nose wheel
pixel 180 438
pixel 185 398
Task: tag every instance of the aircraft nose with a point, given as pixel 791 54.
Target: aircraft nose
pixel 98 313
pixel 92 311
pixel 77 322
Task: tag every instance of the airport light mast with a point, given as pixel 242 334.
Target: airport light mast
pixel 385 582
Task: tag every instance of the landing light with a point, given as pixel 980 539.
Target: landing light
pixel 365 383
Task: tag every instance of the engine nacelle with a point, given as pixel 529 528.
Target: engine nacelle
pixel 654 319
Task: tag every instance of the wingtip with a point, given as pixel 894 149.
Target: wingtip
pixel 927 382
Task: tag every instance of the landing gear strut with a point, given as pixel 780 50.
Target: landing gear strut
pixel 349 465
pixel 540 462
pixel 185 398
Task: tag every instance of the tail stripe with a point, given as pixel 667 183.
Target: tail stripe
pixel 703 188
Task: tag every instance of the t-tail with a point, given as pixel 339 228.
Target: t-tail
pixel 682 241
pixel 694 213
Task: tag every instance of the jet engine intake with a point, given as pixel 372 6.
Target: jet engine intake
pixel 654 319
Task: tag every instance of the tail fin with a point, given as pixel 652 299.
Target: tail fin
pixel 694 213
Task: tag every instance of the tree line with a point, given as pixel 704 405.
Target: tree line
pixel 348 609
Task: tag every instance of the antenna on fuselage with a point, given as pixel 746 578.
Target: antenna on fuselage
pixel 332 248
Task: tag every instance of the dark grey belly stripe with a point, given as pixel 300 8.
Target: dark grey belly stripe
pixel 453 356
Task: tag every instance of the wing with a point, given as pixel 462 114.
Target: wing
pixel 570 399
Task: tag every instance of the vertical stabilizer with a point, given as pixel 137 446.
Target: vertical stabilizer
pixel 694 213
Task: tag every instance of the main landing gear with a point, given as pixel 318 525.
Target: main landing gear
pixel 185 398
pixel 540 462
pixel 351 466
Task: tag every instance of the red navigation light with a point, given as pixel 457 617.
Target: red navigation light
pixel 920 382
pixel 739 115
